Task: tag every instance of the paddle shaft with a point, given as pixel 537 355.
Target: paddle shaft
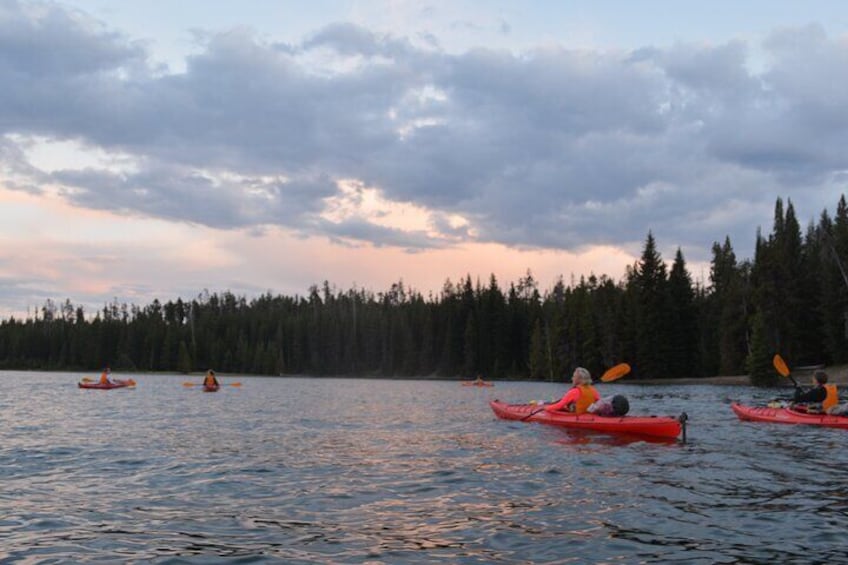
pixel 533 413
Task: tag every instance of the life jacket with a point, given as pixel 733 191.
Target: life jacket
pixel 210 381
pixel 588 395
pixel 832 398
pixel 104 378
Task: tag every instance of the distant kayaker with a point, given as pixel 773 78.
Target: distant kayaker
pixel 104 376
pixel 209 381
pixel 820 392
pixel 580 396
pixel 479 380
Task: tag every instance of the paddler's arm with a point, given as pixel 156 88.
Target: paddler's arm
pixel 815 394
pixel 569 397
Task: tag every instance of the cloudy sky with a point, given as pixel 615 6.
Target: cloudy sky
pixel 154 149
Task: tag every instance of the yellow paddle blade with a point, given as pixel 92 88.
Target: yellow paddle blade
pixel 615 373
pixel 87 380
pixel 130 382
pixel 235 384
pixel 780 365
pixel 188 384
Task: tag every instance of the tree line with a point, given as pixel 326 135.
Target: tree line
pixel 792 298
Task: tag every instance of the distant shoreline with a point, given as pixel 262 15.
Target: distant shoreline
pixel 838 374
pixel 743 380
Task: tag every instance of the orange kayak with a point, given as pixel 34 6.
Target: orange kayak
pixel 657 426
pixel 475 383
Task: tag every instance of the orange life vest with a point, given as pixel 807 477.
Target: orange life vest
pixel 588 395
pixel 209 381
pixel 832 398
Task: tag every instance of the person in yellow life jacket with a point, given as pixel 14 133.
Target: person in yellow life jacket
pixel 820 392
pixel 579 397
pixel 104 376
pixel 209 380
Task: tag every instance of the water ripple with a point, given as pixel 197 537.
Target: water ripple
pixel 401 472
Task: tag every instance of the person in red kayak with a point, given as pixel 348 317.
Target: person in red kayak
pixel 104 376
pixel 579 397
pixel 820 392
pixel 209 381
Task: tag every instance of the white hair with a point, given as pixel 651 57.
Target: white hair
pixel 583 375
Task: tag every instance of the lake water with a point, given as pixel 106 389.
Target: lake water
pixel 301 470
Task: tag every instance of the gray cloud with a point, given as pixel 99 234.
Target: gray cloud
pixel 357 229
pixel 48 42
pixel 181 195
pixel 352 40
pixel 17 291
pixel 552 148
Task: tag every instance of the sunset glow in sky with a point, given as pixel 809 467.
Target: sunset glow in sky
pixel 156 149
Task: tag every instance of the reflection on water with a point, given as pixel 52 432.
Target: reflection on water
pixel 366 471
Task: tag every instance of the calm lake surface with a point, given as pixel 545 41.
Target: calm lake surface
pixel 304 470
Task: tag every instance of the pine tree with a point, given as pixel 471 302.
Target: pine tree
pixel 538 357
pixel 683 339
pixel 184 362
pixel 652 330
pixel 758 363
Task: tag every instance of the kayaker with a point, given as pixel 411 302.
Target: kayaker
pixel 580 396
pixel 820 392
pixel 209 380
pixel 104 376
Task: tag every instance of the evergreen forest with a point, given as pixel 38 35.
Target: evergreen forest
pixel 791 298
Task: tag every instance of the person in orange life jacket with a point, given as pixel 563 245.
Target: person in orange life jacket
pixel 579 397
pixel 820 392
pixel 104 376
pixel 209 380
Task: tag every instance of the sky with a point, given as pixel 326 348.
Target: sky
pixel 158 149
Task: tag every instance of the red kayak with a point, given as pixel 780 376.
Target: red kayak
pixel 656 426
pixel 107 386
pixel 475 383
pixel 211 388
pixel 787 415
